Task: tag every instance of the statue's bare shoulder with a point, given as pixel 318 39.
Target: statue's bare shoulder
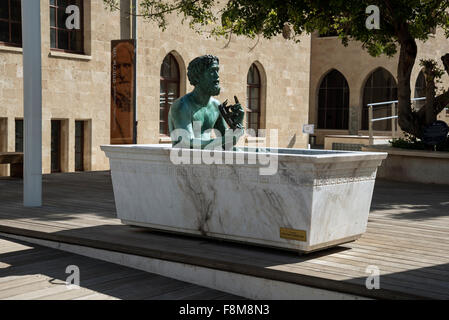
pixel 215 102
pixel 180 110
pixel 180 106
pixel 179 115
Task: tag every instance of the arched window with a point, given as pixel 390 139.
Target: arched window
pixel 169 91
pixel 380 87
pixel 333 102
pixel 253 89
pixel 256 99
pixel 420 90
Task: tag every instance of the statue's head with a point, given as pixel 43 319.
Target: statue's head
pixel 203 73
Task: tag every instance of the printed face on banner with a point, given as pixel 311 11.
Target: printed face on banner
pixel 122 113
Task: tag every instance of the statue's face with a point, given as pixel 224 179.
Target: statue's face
pixel 210 80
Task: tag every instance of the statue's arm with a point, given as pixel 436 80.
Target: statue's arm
pixel 232 134
pixel 180 125
pixel 221 125
pixel 224 129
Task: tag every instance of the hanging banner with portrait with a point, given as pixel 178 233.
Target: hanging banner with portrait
pixel 122 91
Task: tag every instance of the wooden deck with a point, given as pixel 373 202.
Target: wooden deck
pixel 407 238
pixel 29 272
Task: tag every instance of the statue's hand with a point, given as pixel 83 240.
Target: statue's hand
pixel 233 114
pixel 239 112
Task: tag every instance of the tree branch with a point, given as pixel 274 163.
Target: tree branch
pixel 445 60
pixel 257 42
pixel 151 14
pixel 437 104
pixel 229 40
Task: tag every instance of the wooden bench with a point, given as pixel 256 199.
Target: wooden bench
pixel 15 159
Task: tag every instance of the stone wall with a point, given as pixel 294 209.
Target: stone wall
pixel 74 87
pixel 418 166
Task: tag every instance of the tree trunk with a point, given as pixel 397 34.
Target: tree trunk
pixel 434 105
pixel 407 58
pixel 410 121
pixel 429 75
pixel 442 101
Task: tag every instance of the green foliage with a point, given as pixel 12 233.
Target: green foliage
pixel 432 64
pixel 268 18
pixel 198 12
pixel 411 142
pixel 436 71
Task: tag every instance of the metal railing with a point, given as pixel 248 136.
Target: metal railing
pixel 393 117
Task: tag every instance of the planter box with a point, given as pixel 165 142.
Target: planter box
pixel 413 165
pixel 316 199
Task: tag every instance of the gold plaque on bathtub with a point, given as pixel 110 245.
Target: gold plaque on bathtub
pixel 293 234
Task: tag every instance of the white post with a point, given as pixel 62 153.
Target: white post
pixel 370 125
pixel 393 120
pixel 32 101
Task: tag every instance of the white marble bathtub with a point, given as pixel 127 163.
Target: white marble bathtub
pixel 316 199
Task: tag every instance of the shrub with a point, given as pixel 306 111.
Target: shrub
pixel 411 142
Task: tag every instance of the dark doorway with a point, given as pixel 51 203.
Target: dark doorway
pixel 19 135
pixel 79 145
pixel 55 146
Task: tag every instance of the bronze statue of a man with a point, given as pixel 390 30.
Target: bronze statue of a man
pixel 192 117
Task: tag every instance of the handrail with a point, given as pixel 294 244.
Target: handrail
pixel 385 118
pixel 393 117
pixel 393 101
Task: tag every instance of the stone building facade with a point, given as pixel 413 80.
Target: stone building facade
pixel 76 86
pixel 356 66
pixel 77 94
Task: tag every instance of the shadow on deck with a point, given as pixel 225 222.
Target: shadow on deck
pixel 31 272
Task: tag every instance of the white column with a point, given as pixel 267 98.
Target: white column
pixel 393 120
pixel 32 101
pixel 134 35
